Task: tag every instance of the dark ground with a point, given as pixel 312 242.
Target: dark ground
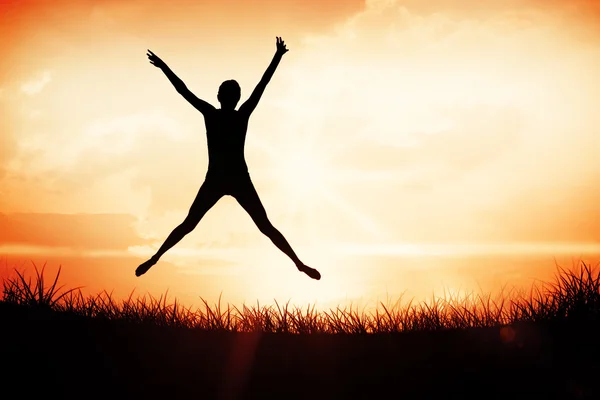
pixel 57 356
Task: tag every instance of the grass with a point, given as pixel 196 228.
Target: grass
pixel 573 296
pixel 543 341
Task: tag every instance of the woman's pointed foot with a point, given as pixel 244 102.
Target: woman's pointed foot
pixel 313 273
pixel 144 267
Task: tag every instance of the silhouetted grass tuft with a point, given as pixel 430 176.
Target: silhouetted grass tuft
pixel 574 296
pixel 20 290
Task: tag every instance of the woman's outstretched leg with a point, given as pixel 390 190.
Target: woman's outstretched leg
pixel 249 200
pixel 206 198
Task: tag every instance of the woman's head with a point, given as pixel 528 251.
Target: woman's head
pixel 229 94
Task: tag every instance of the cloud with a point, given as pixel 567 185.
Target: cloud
pixel 462 108
pixel 36 85
pixel 8 143
pixel 407 89
pixel 98 232
pixel 111 137
pixel 446 108
pixel 475 8
pixel 142 147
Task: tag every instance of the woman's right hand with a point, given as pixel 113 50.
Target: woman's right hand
pixel 155 60
pixel 281 49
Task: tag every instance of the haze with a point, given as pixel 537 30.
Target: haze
pixel 434 144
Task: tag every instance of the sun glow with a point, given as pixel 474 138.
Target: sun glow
pixel 302 174
pixel 392 137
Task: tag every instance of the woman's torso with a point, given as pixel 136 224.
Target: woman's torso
pixel 226 136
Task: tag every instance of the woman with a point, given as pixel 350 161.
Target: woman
pixel 227 170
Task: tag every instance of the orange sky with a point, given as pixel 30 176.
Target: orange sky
pixel 423 134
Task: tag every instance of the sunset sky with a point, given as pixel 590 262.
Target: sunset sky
pixel 433 143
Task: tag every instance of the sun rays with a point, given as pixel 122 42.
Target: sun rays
pixel 313 189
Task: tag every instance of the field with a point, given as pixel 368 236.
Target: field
pixel 58 343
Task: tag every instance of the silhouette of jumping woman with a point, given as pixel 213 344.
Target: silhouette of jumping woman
pixel 227 170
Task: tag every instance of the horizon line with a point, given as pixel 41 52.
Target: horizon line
pixel 387 249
